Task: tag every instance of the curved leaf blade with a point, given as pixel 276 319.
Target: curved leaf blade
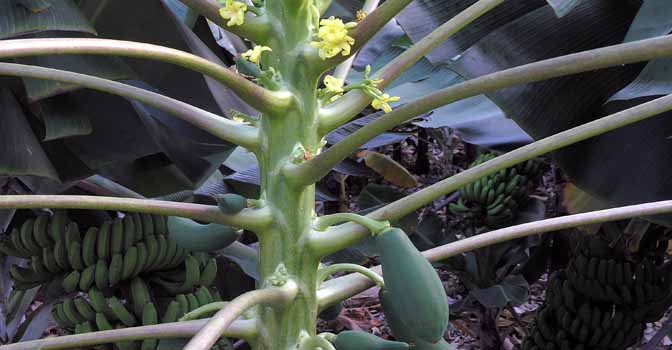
pixel 62 15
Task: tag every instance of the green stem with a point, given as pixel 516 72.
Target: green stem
pixel 341 71
pixel 365 30
pixel 323 222
pixel 245 329
pixel 637 51
pixel 249 219
pixel 251 93
pixel 212 331
pixel 350 105
pixel 346 235
pixel 204 310
pixel 327 271
pixel 221 127
pixel 344 287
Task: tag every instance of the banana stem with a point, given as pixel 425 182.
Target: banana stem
pixel 323 222
pixel 327 271
pixel 244 329
pixel 250 219
pixel 212 331
pixel 344 287
pixel 344 235
pixel 204 310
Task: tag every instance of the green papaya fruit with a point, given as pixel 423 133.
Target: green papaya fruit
pixel 231 203
pixel 395 321
pixel 196 237
pixel 420 301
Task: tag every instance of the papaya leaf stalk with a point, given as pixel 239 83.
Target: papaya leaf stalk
pixel 251 219
pixel 251 93
pixel 213 329
pixel 225 129
pixel 339 237
pixel 344 287
pixel 340 112
pixel 244 329
pixel 632 52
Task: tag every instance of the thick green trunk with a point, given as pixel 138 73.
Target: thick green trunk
pixel 291 137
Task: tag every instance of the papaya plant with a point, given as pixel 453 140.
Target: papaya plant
pixel 297 102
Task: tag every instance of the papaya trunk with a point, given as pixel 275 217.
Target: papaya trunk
pixel 290 137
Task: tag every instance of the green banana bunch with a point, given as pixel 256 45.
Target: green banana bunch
pixel 109 264
pixel 198 271
pixel 638 287
pixel 34 235
pixel 495 198
pixel 567 320
pixel 102 313
pixel 600 301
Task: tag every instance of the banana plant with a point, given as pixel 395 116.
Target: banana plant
pixel 298 102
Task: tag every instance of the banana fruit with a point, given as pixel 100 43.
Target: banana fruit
pixel 494 199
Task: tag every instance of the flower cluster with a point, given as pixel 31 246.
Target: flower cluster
pixel 234 11
pixel 382 102
pixel 254 55
pixel 333 89
pixel 334 38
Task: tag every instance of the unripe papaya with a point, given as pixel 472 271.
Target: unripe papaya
pixel 193 236
pixel 413 286
pixel 395 321
pixel 352 340
pixel 231 203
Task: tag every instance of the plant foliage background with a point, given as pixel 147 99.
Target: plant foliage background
pixel 58 138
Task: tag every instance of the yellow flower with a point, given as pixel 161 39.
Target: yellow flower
pixel 254 55
pixel 238 119
pixel 334 38
pixel 361 14
pixel 382 102
pixel 234 11
pixel 333 84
